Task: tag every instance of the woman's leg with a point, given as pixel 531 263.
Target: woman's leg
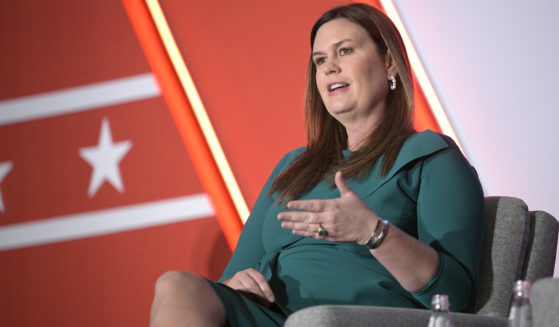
pixel 185 299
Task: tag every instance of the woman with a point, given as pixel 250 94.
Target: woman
pixel 370 212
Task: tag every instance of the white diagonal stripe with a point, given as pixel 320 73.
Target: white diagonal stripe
pixel 106 221
pixel 76 99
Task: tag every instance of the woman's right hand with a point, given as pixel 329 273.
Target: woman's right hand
pixel 253 284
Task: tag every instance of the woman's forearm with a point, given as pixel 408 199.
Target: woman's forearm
pixel 410 261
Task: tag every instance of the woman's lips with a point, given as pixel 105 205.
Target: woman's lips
pixel 337 87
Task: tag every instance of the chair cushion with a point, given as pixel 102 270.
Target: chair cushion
pixel 507 231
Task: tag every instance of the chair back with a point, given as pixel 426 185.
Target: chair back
pixel 518 244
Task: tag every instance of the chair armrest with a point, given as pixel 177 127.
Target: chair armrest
pixel 370 316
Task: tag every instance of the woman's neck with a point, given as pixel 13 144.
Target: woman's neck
pixel 359 130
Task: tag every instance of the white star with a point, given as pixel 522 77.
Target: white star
pixel 5 168
pixel 104 158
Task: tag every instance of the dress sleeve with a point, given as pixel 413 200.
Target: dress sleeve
pixel 249 248
pixel 450 218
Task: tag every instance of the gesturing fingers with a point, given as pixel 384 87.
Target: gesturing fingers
pixel 302 223
pixel 304 229
pixel 308 205
pixel 306 222
pixel 343 219
pixel 299 217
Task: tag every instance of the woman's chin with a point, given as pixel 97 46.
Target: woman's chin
pixel 339 110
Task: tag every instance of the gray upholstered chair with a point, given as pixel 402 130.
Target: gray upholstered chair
pixel 519 244
pixel 545 302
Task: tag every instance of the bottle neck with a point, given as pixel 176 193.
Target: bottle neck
pixel 440 303
pixel 521 290
pixel 440 316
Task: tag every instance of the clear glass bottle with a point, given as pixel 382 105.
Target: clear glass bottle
pixel 520 314
pixel 440 315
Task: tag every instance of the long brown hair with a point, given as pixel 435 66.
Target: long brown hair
pixel 327 138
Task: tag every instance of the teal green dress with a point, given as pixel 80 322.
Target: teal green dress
pixel 431 192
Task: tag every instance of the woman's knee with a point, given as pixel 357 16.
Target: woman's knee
pixel 190 289
pixel 175 281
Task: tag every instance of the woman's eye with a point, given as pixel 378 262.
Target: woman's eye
pixel 319 61
pixel 345 51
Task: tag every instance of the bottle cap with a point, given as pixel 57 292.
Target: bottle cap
pixel 440 302
pixel 521 288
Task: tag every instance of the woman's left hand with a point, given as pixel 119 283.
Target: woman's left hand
pixel 344 219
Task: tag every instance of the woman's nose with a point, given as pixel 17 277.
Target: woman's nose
pixel 331 66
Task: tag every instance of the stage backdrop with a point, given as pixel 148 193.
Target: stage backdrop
pixel 98 195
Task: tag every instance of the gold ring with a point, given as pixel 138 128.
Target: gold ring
pixel 321 230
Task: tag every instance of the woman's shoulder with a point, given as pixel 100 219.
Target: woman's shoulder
pixel 292 155
pixel 289 158
pixel 437 151
pixel 421 145
pixel 428 141
pixel 295 153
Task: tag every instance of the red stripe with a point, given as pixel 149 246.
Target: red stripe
pixel 185 120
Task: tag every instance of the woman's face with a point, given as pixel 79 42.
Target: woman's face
pixel 351 76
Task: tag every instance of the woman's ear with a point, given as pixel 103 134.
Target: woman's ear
pixel 390 66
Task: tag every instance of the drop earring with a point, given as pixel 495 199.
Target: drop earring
pixel 392 83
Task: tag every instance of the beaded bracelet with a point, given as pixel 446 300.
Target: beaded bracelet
pixel 378 235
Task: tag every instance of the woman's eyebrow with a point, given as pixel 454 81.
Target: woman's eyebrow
pixel 335 45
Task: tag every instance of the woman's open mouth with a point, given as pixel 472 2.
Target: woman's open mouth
pixel 337 87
